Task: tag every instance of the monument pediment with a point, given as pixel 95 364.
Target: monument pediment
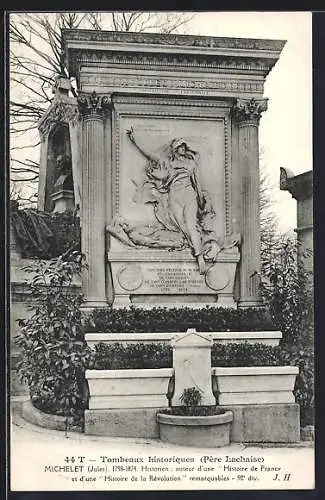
pixel 192 339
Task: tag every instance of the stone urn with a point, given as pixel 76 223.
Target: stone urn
pixel 207 431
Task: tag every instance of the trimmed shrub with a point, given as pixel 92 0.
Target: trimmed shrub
pixel 119 357
pixel 208 319
pixel 226 355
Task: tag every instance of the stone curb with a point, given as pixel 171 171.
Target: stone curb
pixel 54 422
pixel 298 444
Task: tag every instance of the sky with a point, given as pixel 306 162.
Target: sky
pixel 286 127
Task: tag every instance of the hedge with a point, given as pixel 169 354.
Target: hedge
pixel 160 319
pixel 118 356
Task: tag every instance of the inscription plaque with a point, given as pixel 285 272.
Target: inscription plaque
pixel 175 280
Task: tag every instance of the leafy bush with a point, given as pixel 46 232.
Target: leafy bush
pixel 287 291
pixel 54 352
pixel 45 235
pixel 302 358
pixel 190 400
pixel 66 229
pixel 161 319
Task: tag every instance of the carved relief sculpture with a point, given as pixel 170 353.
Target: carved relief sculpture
pixel 184 215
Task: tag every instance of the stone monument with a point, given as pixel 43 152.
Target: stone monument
pixel 301 189
pixel 164 154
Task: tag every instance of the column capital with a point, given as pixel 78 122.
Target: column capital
pixel 94 105
pixel 248 111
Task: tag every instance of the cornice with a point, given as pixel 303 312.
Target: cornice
pixel 172 39
pixel 299 186
pixel 218 63
pixel 155 49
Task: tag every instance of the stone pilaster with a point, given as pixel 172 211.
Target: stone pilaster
pixel 94 109
pixel 43 173
pixel 247 113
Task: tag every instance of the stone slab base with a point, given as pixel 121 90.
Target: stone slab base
pixel 129 422
pixel 272 423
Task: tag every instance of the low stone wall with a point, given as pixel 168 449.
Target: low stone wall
pixel 271 338
pixel 269 423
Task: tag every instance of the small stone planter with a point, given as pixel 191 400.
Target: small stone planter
pixel 255 385
pixel 202 431
pixel 139 388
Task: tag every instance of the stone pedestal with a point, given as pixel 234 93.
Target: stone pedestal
pixel 192 366
pixel 247 115
pixel 265 423
pixel 94 109
pixel 63 200
pixel 160 278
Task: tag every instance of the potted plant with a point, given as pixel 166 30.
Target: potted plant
pixel 192 424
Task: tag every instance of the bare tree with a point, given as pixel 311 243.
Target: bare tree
pixel 36 58
pixel 268 218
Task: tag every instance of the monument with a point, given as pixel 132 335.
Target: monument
pixel 164 158
pixel 301 189
pixel 159 149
